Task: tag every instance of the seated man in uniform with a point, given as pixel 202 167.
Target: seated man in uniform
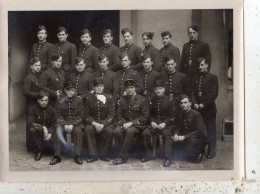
pixel 70 115
pixel 132 115
pixel 41 121
pixel 161 122
pixel 189 138
pixel 100 113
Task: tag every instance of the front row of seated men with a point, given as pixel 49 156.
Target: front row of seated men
pixel 135 120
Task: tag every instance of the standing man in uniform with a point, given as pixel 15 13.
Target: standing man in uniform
pixel 191 51
pixel 30 91
pixel 106 74
pixel 133 51
pixel 42 120
pixel 52 80
pixel 70 115
pixel 88 52
pixel 176 82
pixel 148 76
pixel 126 73
pixel 42 49
pixel 189 138
pixel 111 51
pixel 132 115
pixel 66 49
pixel 83 79
pixel 151 50
pixel 204 94
pixel 100 115
pixel 160 122
pixel 169 49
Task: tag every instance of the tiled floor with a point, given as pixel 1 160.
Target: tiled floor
pixel 20 160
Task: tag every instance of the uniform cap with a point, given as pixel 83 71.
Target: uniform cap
pixel 125 30
pixel 129 82
pixel 166 33
pixel 159 83
pixel 98 81
pixel 69 84
pixel 148 34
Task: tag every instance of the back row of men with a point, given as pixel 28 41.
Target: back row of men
pixel 186 63
pixel 127 93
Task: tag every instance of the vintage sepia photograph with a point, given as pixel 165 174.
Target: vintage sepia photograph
pixel 121 90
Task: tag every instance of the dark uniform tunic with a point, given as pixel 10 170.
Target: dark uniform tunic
pixel 120 77
pixel 162 111
pixel 148 80
pixel 205 91
pixel 191 51
pixel 108 80
pixel 175 84
pixel 42 116
pixel 30 91
pixel 83 81
pixel 112 53
pixel 131 109
pixel 68 52
pixel 170 50
pixel 101 109
pixel 155 55
pixel 52 80
pixel 70 111
pixel 90 54
pixel 134 52
pixel 190 125
pixel 31 88
pixel 43 51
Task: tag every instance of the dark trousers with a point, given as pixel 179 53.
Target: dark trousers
pixel 149 132
pixel 125 140
pixel 41 144
pixel 190 148
pixel 210 125
pixel 76 137
pixel 106 135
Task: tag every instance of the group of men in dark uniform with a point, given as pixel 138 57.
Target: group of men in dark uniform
pixel 127 95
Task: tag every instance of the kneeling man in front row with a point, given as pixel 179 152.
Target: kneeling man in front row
pixel 189 138
pixel 42 120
